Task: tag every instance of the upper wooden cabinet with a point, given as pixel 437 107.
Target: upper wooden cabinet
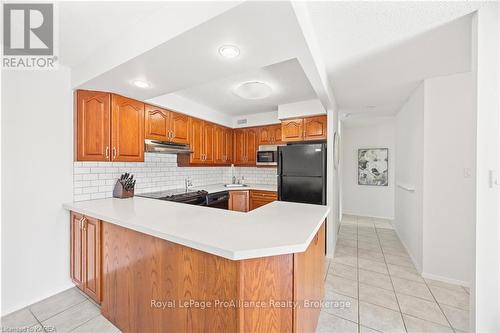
pixel 304 129
pixel 315 128
pixel 222 145
pixel 209 144
pixel 269 135
pixel 165 125
pixel 245 146
pixel 156 123
pixel 109 127
pixel 127 129
pixel 93 119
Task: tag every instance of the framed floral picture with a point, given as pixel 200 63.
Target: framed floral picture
pixel 373 166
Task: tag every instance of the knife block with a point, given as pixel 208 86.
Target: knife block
pixel 120 193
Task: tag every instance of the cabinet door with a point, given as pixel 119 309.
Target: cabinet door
pixel 315 128
pixel 92 258
pixel 239 148
pixel 251 146
pixel 76 249
pixel 292 130
pixel 208 140
pixel 276 133
pixel 156 123
pixel 265 135
pixel 127 129
pixel 219 145
pixel 179 127
pixel 196 141
pixel 238 201
pixel 93 123
pixel 228 146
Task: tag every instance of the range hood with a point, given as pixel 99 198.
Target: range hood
pixel 165 147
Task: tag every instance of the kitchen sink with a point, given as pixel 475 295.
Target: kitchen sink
pixel 235 185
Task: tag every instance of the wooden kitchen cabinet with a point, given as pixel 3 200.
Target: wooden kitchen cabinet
pixel 292 130
pixel 315 128
pixel 222 145
pixel 239 201
pixel 304 129
pixel 85 254
pixel 245 146
pixel 127 129
pixel 109 127
pixel 93 119
pixel 165 125
pixel 269 135
pixel 208 142
pixel 261 198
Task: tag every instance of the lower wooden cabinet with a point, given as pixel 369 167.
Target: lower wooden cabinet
pixel 261 198
pixel 238 201
pixel 85 263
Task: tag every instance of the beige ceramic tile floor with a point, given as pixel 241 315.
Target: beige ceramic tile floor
pixel 372 286
pixel 371 282
pixel 69 311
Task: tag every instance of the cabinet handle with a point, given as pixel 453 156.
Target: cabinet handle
pixel 114 152
pixel 107 151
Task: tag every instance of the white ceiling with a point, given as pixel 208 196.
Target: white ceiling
pixel 85 26
pixel 377 52
pixel 190 62
pixel 287 79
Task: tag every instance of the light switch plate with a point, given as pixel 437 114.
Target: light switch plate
pixel 494 179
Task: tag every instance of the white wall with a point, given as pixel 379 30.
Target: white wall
pixel 257 119
pixel 310 107
pixel 485 292
pixel 374 201
pixel 449 173
pixel 37 176
pixel 409 172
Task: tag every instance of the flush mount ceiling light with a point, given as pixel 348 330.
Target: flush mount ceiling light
pixel 253 90
pixel 141 84
pixel 229 51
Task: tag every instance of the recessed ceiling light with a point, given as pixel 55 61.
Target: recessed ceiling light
pixel 141 84
pixel 253 90
pixel 229 51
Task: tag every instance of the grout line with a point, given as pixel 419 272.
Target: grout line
pixel 390 278
pixel 38 321
pixel 86 322
pixel 357 273
pixel 58 313
pixel 440 308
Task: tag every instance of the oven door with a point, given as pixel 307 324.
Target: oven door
pixel 267 157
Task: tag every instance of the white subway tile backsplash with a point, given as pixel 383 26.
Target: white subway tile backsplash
pixel 95 180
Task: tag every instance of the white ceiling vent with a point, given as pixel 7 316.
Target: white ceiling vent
pixel 241 121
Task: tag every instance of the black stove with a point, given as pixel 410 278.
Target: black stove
pixel 179 195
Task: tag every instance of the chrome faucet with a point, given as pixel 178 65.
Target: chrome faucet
pixel 187 183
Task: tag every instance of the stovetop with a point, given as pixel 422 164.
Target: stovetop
pixel 174 195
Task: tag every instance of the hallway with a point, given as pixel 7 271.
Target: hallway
pixel 373 286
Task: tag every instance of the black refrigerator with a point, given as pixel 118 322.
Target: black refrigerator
pixel 302 173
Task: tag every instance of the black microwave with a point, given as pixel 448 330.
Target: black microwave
pixel 267 155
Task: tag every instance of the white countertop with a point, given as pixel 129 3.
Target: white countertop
pixel 274 229
pixel 220 187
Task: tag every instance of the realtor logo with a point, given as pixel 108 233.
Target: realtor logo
pixel 28 36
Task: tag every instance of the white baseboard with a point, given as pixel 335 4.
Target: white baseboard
pixel 364 215
pixel 445 279
pixel 415 263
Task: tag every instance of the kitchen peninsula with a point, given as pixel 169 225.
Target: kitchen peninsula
pixel 168 267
